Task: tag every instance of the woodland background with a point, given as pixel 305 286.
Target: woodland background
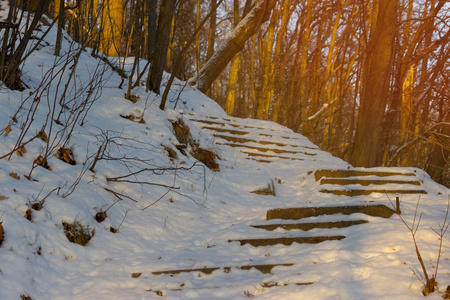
pixel 366 80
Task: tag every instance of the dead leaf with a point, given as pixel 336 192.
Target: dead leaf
pixel 42 135
pixel 170 200
pixel 28 214
pixel 3 197
pixel 38 205
pixel 248 294
pixel 66 155
pixel 136 275
pixel 41 161
pixel 112 229
pixel 21 151
pixel 100 216
pixel 14 175
pixel 7 130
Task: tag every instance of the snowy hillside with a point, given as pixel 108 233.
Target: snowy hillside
pixel 146 208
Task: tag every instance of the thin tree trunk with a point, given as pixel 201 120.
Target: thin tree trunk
pixel 263 104
pixel 440 155
pixel 151 17
pixel 12 73
pixel 212 30
pixel 59 13
pixel 234 69
pixel 197 38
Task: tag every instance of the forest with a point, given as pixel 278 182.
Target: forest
pixel 366 80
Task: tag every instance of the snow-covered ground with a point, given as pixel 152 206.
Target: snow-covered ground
pixel 186 226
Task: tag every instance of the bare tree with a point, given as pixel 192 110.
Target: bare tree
pixel 232 45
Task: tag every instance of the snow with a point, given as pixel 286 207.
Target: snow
pixel 188 226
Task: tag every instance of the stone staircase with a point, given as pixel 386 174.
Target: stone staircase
pixel 360 182
pixel 259 143
pixel 274 220
pixel 283 227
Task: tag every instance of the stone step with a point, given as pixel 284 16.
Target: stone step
pixel 262 149
pixel 263 268
pixel 208 289
pixel 297 213
pixel 354 173
pixel 310 226
pixel 287 240
pixel 266 161
pixel 358 192
pixel 253 154
pixel 234 123
pixel 232 131
pixel 242 140
pixel 365 182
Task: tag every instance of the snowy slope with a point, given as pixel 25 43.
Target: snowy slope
pixel 189 225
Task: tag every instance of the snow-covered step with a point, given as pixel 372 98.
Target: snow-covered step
pixel 297 213
pixel 260 135
pixel 226 130
pixel 363 182
pixel 364 192
pixel 208 282
pixel 366 182
pixel 257 242
pixel 263 268
pixel 243 123
pixel 336 173
pixel 270 158
pixel 266 149
pixel 241 140
pixel 312 225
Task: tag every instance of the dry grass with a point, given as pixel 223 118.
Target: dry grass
pixel 77 233
pixel 184 137
pixel 269 190
pixel 207 157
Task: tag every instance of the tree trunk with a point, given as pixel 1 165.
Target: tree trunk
pixel 234 69
pixel 212 30
pixel 375 90
pixel 441 152
pixel 263 104
pixel 151 27
pixel 12 74
pixel 112 33
pixel 197 38
pixel 59 13
pixel 162 43
pixel 232 45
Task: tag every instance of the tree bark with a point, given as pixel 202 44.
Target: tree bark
pixel 112 33
pixel 212 30
pixel 232 45
pixel 234 69
pixel 441 152
pixel 59 13
pixel 15 60
pixel 162 44
pixel 375 90
pixel 151 26
pixel 263 104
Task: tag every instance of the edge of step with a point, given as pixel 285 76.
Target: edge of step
pixel 296 213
